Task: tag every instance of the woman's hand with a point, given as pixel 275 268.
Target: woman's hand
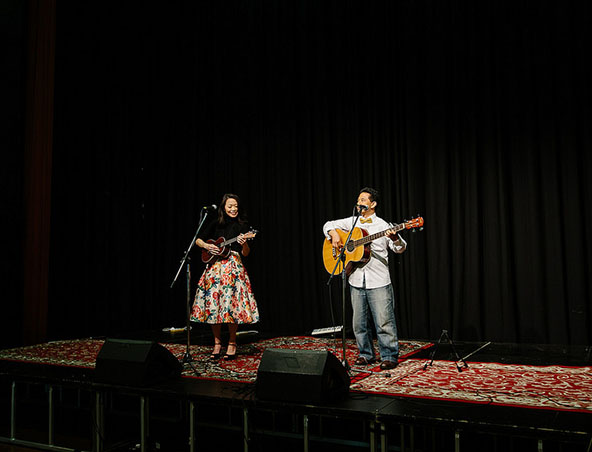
pixel 212 249
pixel 242 240
pixel 209 247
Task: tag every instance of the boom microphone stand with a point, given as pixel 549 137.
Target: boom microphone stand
pixel 341 260
pixel 187 359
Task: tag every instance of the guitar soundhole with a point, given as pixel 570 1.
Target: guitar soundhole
pixel 350 247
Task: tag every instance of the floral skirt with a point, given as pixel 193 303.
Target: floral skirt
pixel 224 294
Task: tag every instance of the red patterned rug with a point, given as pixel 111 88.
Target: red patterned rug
pixel 83 353
pixel 547 387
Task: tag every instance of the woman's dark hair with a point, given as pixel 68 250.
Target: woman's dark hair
pixel 222 212
pixel 374 195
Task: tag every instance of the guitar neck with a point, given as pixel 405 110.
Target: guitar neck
pixel 228 242
pixel 370 238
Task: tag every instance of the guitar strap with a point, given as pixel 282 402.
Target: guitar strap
pixel 380 258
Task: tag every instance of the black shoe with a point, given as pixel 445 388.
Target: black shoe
pixel 230 356
pixel 215 355
pixel 361 361
pixel 387 365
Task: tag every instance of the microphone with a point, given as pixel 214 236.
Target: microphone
pixel 362 207
pixel 212 207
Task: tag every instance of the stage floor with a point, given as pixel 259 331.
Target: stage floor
pixel 433 408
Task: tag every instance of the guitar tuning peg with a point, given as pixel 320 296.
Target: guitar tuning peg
pixel 413 230
pixel 421 229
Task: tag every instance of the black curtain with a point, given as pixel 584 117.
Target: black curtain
pixel 13 45
pixel 474 115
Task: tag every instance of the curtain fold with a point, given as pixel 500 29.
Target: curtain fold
pixel 40 64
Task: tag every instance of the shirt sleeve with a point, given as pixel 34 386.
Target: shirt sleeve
pixel 245 227
pixel 398 246
pixel 207 231
pixel 343 224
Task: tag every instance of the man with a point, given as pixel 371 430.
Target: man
pixel 370 284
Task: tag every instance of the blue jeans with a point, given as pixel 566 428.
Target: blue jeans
pixel 381 304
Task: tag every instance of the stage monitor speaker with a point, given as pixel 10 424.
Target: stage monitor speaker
pixel 301 376
pixel 132 362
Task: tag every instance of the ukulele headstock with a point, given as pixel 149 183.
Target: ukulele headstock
pixel 251 234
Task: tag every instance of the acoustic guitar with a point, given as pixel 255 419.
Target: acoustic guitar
pixel 208 257
pixel 358 248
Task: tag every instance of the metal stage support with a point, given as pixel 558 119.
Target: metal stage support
pixel 50 445
pixel 377 423
pixel 98 443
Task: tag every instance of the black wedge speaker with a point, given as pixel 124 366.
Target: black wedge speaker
pixel 307 376
pixel 131 362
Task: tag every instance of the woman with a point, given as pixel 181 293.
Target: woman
pixel 224 293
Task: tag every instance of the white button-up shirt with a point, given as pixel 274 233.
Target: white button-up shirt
pixel 375 273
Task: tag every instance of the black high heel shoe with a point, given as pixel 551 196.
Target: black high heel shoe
pixel 216 355
pixel 230 356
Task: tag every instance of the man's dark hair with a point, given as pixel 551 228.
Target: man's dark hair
pixel 374 195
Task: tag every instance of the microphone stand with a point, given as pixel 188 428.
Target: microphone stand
pixel 341 260
pixel 187 359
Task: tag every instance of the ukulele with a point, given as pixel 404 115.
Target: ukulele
pixel 358 248
pixel 208 257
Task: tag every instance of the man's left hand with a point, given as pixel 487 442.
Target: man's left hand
pixel 392 235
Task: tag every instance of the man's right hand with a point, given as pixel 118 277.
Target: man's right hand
pixel 335 240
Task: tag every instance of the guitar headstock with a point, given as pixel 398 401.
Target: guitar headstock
pixel 414 223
